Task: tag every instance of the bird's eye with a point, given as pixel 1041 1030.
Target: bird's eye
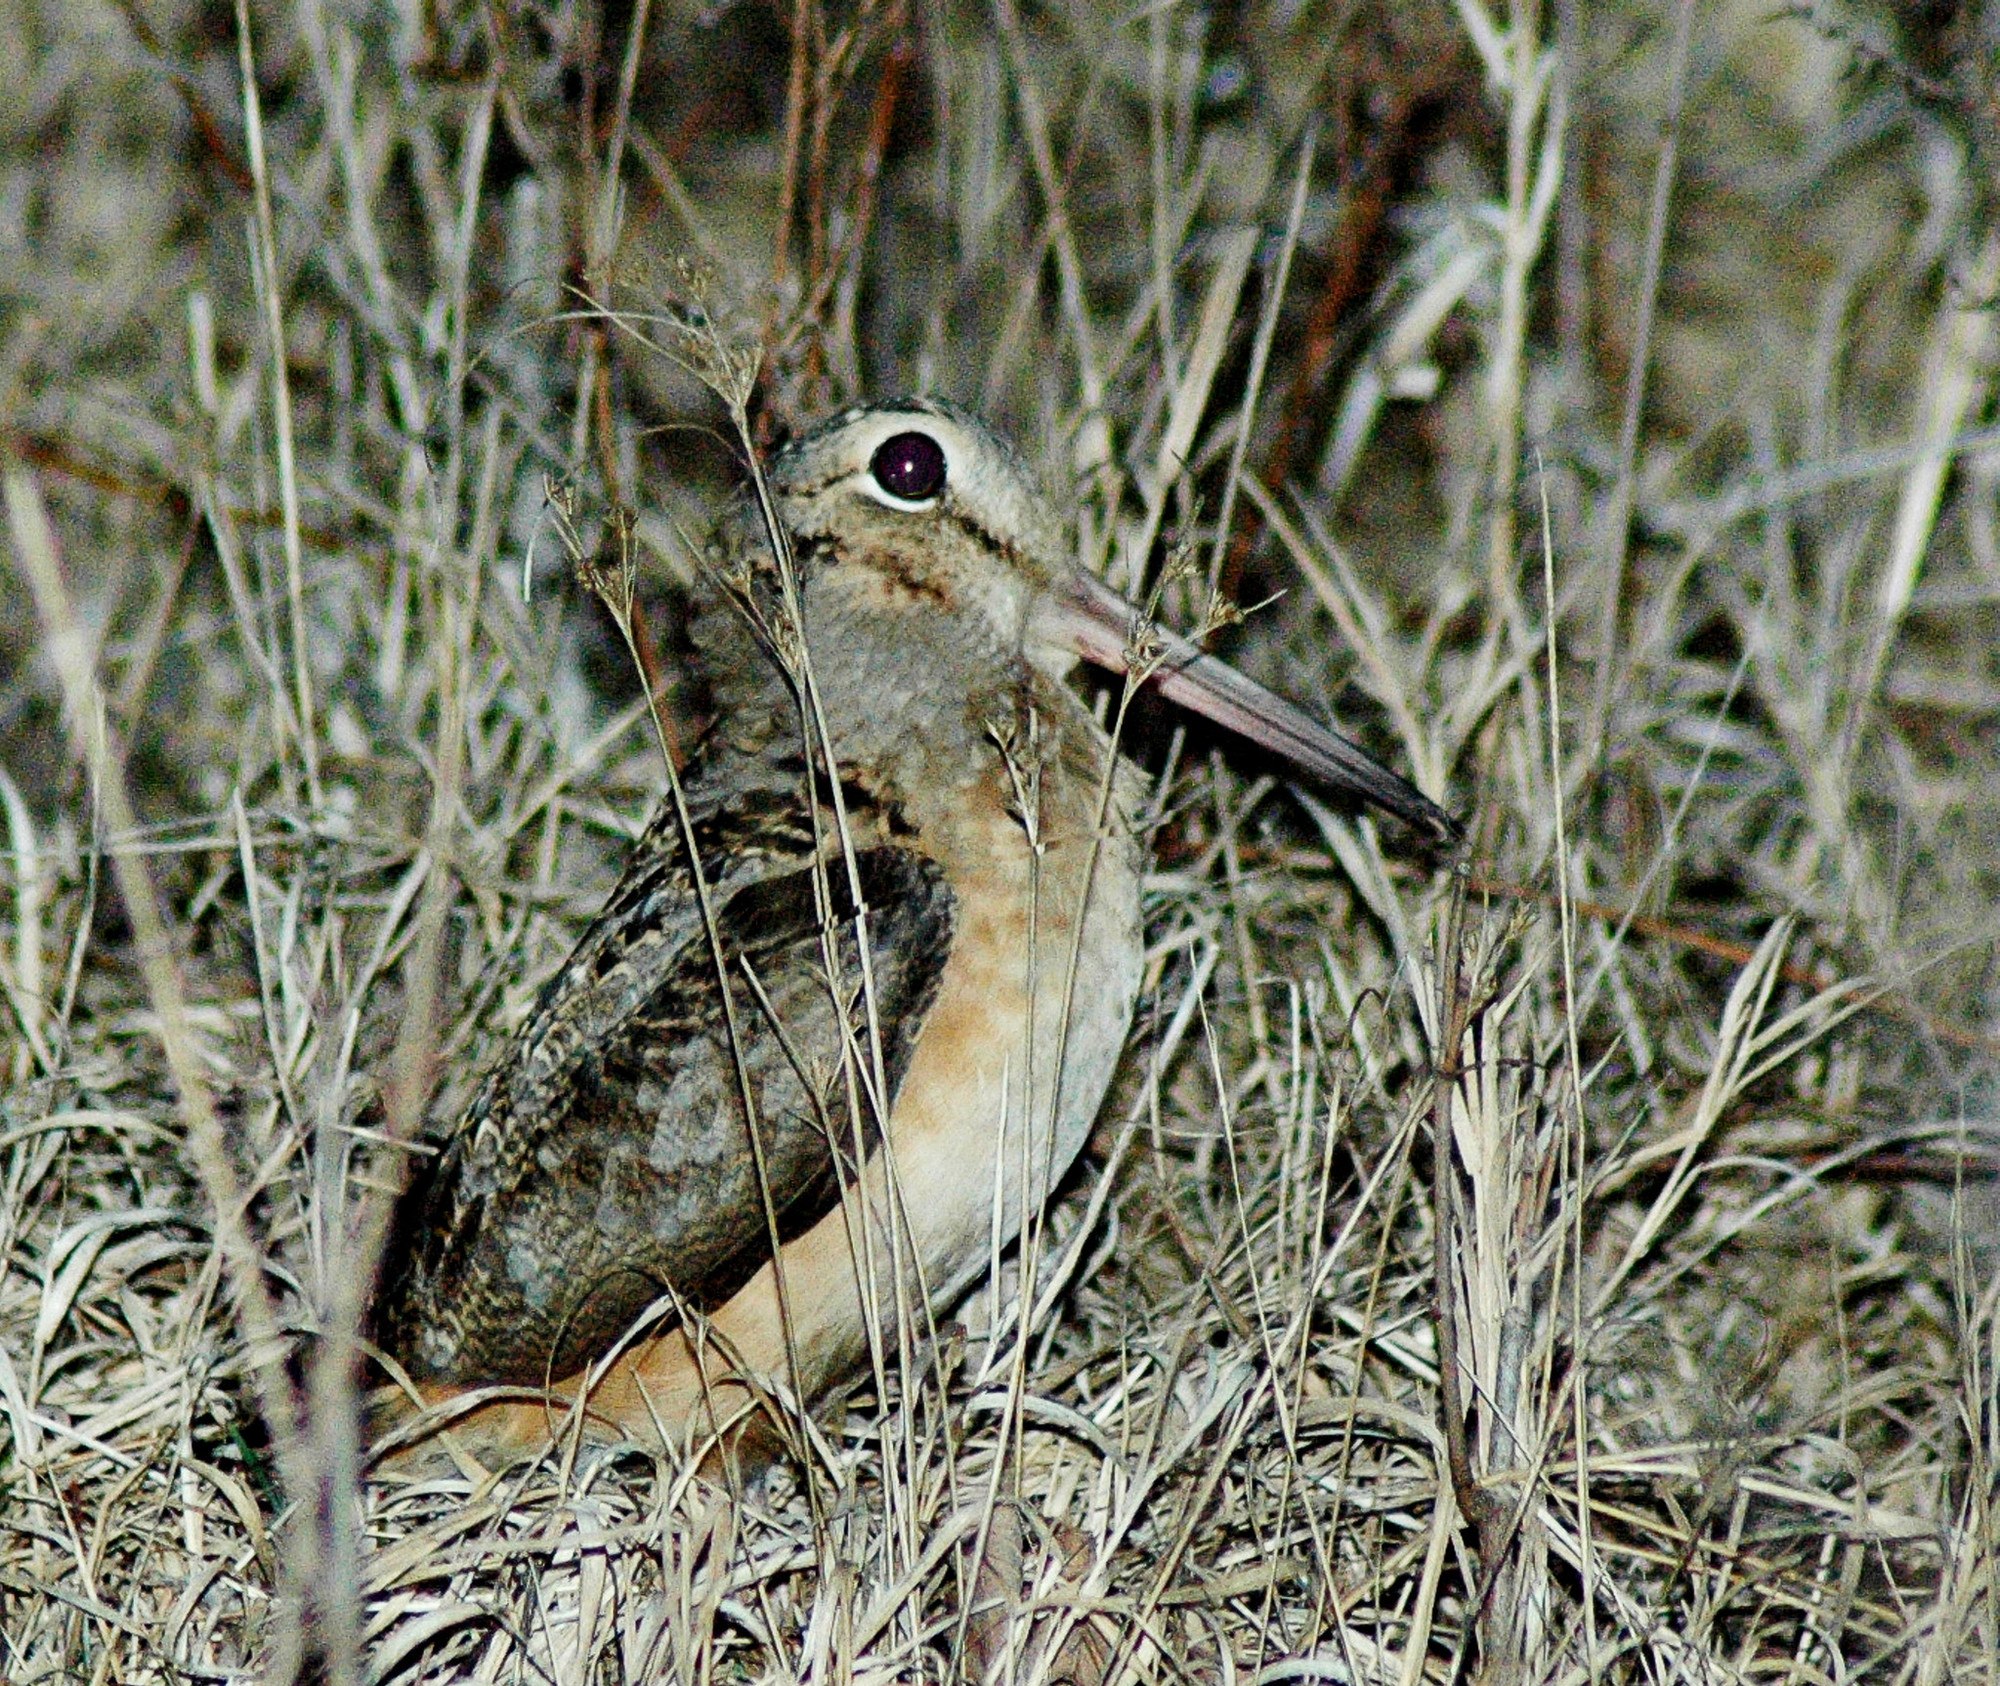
pixel 909 467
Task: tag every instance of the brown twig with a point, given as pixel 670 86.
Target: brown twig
pixel 208 128
pixel 1353 253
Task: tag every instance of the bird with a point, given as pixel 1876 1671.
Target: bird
pixel 851 1010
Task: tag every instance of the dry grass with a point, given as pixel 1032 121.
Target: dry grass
pixel 1685 1085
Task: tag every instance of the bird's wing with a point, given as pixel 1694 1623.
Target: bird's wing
pixel 606 1158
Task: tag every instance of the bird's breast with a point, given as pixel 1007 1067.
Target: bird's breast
pixel 1037 994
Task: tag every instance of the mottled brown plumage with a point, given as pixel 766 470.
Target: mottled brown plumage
pixel 606 1163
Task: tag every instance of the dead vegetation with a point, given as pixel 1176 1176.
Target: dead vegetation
pixel 1671 1116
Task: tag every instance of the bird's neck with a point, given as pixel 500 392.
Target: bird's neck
pixel 917 694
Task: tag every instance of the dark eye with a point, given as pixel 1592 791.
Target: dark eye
pixel 909 466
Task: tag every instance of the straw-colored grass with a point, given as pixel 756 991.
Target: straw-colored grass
pixel 1609 397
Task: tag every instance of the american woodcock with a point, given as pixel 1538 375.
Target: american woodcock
pixel 834 1035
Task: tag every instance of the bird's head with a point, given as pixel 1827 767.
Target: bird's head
pixel 929 508
pixel 931 522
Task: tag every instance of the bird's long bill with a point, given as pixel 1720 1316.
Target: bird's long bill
pixel 1086 615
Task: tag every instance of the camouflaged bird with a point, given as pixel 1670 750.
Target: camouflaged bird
pixel 692 1087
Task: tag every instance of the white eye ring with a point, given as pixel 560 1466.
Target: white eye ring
pixel 889 500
